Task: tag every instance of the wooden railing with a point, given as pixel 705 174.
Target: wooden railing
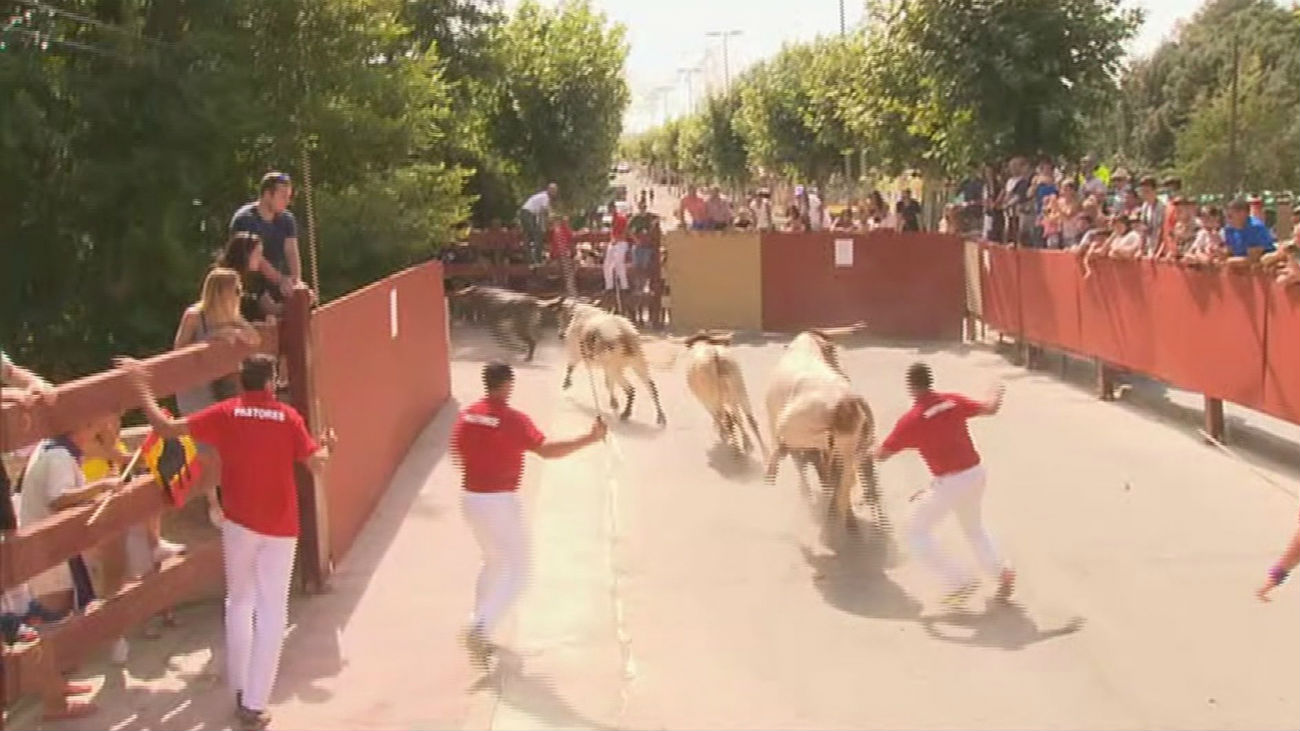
pixel 37 667
pixel 1230 336
pixel 499 257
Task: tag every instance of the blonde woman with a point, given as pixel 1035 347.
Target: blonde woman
pixel 216 314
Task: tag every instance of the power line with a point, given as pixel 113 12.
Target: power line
pixel 87 20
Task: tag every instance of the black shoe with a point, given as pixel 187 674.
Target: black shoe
pixel 478 647
pixel 253 720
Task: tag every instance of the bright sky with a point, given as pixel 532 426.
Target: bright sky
pixel 668 35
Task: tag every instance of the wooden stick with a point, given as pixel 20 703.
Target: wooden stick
pixel 121 480
pixel 1258 472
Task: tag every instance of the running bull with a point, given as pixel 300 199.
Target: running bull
pixel 714 376
pixel 598 338
pixel 816 417
pixel 514 317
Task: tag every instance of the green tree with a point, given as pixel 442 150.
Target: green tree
pixel 562 97
pixel 986 80
pixel 1176 102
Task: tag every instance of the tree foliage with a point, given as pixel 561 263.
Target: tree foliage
pixel 131 130
pixel 944 86
pixel 1174 111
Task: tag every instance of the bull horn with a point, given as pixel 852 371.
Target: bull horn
pixel 551 302
pixel 722 335
pixel 836 332
pixel 461 293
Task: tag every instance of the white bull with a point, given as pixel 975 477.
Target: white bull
pixel 715 378
pixel 598 338
pixel 816 417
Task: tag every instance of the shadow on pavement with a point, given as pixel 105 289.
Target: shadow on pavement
pixel 853 580
pixel 533 694
pixel 1003 625
pixel 734 467
pixel 633 428
pixel 312 650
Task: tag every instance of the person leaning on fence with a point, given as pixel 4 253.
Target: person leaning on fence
pixel 216 315
pixel 1246 237
pixel 258 439
pixel 243 253
pixel 270 219
pixel 533 220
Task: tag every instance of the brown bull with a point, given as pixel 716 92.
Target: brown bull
pixel 515 318
pixel 597 338
pixel 715 378
pixel 816 417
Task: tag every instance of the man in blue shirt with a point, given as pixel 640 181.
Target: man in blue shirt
pixel 269 218
pixel 1241 233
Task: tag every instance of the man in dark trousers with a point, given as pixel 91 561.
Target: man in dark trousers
pixel 936 427
pixel 259 439
pixel 488 442
pixel 270 219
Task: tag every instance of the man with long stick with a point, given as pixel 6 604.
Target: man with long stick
pixel 489 441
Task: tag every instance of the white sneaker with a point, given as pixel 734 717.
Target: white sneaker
pixel 166 549
pixel 120 651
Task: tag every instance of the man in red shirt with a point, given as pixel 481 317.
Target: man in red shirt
pixel 562 251
pixel 259 439
pixel 489 441
pixel 936 427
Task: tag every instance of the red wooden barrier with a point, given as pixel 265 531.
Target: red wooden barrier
pixel 387 384
pixel 902 285
pixel 1231 337
pixel 1116 304
pixel 1049 305
pixel 1282 354
pixel 1208 332
pixel 1000 288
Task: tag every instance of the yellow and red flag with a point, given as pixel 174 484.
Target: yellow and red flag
pixel 173 462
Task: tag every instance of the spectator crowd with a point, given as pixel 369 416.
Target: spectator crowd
pixel 1096 213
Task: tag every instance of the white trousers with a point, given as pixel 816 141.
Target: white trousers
pixel 961 493
pixel 258 571
pixel 616 265
pixel 497 520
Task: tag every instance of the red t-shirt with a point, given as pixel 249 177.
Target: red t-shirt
pixel 618 227
pixel 936 427
pixel 489 441
pixel 561 240
pixel 259 440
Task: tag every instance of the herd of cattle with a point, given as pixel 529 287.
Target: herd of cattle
pixel 814 414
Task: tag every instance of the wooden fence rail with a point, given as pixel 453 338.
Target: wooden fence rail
pixel 37 667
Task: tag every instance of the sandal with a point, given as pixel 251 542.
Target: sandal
pixel 70 710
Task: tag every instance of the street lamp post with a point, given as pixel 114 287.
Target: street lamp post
pixel 662 91
pixel 690 90
pixel 726 64
pixel 842 29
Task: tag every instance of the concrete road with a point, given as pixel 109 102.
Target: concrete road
pixel 675 589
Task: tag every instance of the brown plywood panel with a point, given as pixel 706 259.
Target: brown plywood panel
pixel 715 280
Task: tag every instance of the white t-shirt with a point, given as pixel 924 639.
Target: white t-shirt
pixel 52 471
pixel 816 212
pixel 537 203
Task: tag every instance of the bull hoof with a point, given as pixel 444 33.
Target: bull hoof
pixel 661 420
pixel 625 416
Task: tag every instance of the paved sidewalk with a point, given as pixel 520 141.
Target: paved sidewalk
pixel 379 650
